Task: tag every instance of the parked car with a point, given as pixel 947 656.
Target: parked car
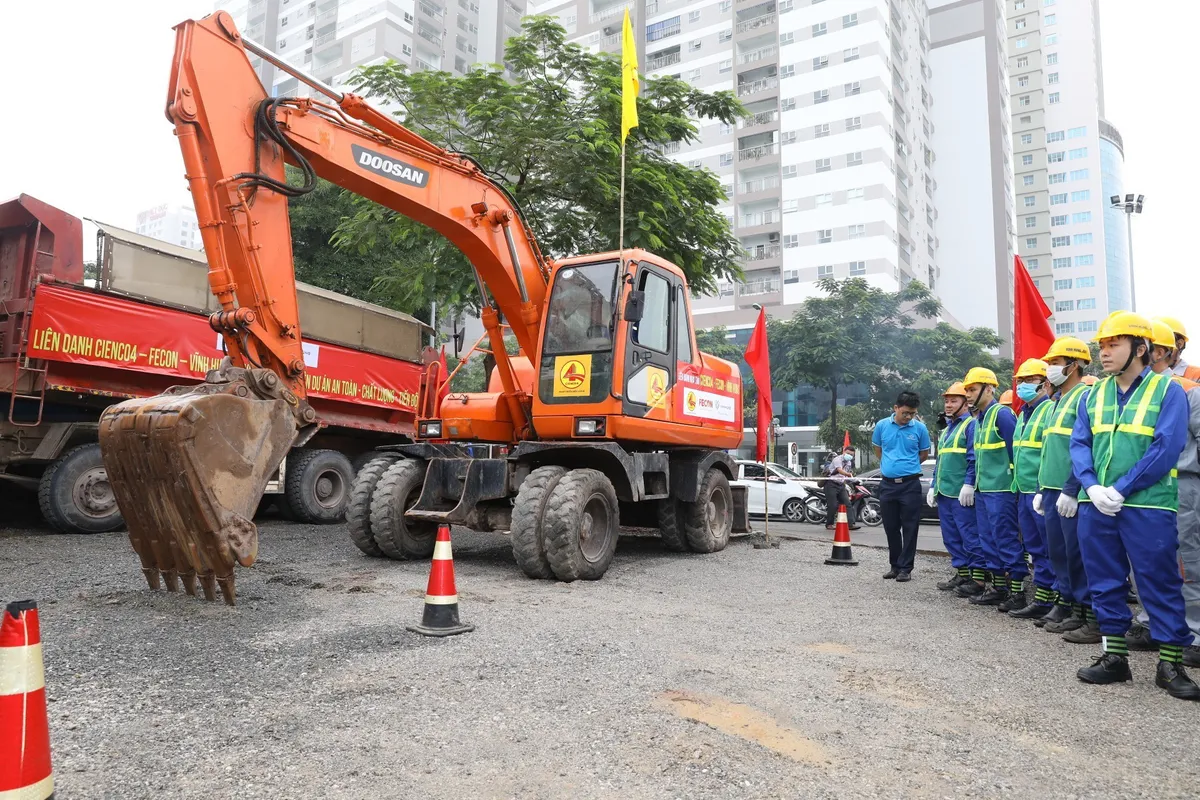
pixel 786 493
pixel 872 479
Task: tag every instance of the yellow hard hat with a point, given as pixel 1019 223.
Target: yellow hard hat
pixel 1176 327
pixel 1006 398
pixel 1032 368
pixel 956 390
pixel 1089 380
pixel 980 375
pixel 1163 336
pixel 1069 347
pixel 1124 323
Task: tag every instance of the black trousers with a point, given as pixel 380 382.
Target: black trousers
pixel 836 493
pixel 900 506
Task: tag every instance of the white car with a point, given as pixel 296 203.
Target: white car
pixel 786 490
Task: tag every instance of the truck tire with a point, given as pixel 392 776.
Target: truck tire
pixel 317 486
pixel 528 521
pixel 709 521
pixel 358 511
pixel 581 525
pixel 397 491
pixel 75 495
pixel 670 526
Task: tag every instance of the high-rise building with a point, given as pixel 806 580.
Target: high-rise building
pixel 329 38
pixel 973 139
pixel 172 224
pixel 1066 165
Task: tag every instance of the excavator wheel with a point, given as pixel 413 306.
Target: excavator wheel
pixel 709 521
pixel 358 512
pixel 671 526
pixel 528 521
pixel 398 490
pixel 581 524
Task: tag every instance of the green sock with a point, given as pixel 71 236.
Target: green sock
pixel 964 572
pixel 1117 646
pixel 979 575
pixel 1089 615
pixel 1043 596
pixel 1060 600
pixel 1016 586
pixel 1171 653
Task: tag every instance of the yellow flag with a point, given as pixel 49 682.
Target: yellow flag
pixel 629 79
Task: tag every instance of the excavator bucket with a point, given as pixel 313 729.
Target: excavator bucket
pixel 188 468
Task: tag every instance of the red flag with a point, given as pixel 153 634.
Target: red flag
pixel 443 373
pixel 1032 335
pixel 758 357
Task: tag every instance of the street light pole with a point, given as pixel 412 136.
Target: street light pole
pixel 1130 206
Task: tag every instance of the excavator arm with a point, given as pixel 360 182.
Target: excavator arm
pixel 188 467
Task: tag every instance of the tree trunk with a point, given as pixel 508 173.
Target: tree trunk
pixel 833 415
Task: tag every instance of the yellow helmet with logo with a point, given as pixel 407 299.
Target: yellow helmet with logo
pixel 1006 398
pixel 1124 323
pixel 980 375
pixel 1032 368
pixel 956 390
pixel 1069 347
pixel 1163 336
pixel 1176 327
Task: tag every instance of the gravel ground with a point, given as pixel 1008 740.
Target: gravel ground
pixel 745 674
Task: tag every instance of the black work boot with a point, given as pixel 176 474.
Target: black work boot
pixel 1191 656
pixel 1139 638
pixel 1108 668
pixel 953 582
pixel 1174 678
pixel 1058 613
pixel 1088 633
pixel 1016 597
pixel 1076 620
pixel 1035 611
pixel 971 588
pixel 992 596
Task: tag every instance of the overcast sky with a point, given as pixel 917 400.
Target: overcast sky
pixel 84 86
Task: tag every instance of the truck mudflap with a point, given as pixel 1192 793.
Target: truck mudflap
pixel 741 509
pixel 188 468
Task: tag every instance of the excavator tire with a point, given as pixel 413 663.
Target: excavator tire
pixel 581 525
pixel 358 511
pixel 318 484
pixel 670 526
pixel 709 521
pixel 397 491
pixel 75 495
pixel 528 519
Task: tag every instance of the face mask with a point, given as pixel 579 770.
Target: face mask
pixel 1027 391
pixel 1056 375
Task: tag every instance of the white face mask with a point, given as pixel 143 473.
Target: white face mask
pixel 1056 375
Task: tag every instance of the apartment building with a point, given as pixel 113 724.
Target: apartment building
pixel 1068 161
pixel 174 224
pixel 330 38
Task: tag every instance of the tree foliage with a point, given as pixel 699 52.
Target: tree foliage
pixel 858 419
pixel 550 135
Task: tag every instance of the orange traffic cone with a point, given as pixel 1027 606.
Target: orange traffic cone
pixel 841 542
pixel 441 598
pixel 24 729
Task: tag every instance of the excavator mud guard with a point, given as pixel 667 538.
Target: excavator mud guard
pixel 741 509
pixel 188 468
pixel 455 487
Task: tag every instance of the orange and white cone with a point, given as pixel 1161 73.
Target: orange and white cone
pixel 25 771
pixel 841 542
pixel 441 598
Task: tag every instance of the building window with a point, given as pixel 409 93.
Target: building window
pixel 694 45
pixel 789 137
pixel 725 35
pixel 1031 242
pixel 1058 177
pixel 790 171
pixel 1052 77
pixel 1061 263
pixel 1027 160
pixel 1018 5
pixel 1052 39
pixel 785 6
pixel 1085 261
pixel 787 70
pixel 821 96
pixel 1079 174
pixel 1063 284
pixel 853 159
pixel 1027 180
pixel 725 5
pixel 1019 24
pixel 1051 60
pixel 1023 100
pixel 1088 326
pixel 787 38
pixel 1026 138
pixel 1056 157
pixel 857 231
pixel 1032 263
pixel 1085 304
pixel 853 123
pixel 1051 19
pixel 1055 136
pixel 850 54
pixel 1060 241
pixel 726 129
pixel 821 131
pixel 852 88
pixel 661 30
pixel 1057 221
pixel 788 104
pixel 1023 81
pixel 791 205
pixel 825 236
pixel 1064 305
pixel 695 163
pixel 1022 44
pixel 791 276
pixel 854 195
pixel 726 159
pixel 1057 199
pixel 1031 222
pixel 1078 152
pixel 849 20
pixel 820 62
pixel 1049 3
pixel 1053 98
pixel 1081 197
pixel 1026 120
pixel 695 75
pixel 824 200
pixel 1083 238
pixel 819 29
pixel 1076 133
pixel 1022 62
pixel 1082 216
pixel 791 240
pixel 725 66
pixel 823 165
pixel 825 271
pixel 1030 200
pixel 1064 327
pixel 1086 282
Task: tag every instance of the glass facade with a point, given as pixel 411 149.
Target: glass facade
pixel 1116 241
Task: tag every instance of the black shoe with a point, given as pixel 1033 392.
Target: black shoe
pixel 1191 656
pixel 1138 638
pixel 1088 633
pixel 1174 678
pixel 903 577
pixel 1056 614
pixel 891 573
pixel 1033 611
pixel 953 582
pixel 971 588
pixel 1015 601
pixel 993 596
pixel 1108 668
pixel 1068 624
pixel 856 527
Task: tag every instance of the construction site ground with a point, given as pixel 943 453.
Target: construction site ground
pixel 744 674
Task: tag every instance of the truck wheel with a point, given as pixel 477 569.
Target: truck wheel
pixel 358 510
pixel 397 491
pixel 75 495
pixel 581 525
pixel 670 526
pixel 528 519
pixel 317 486
pixel 709 521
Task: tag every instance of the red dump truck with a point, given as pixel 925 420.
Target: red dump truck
pixel 70 347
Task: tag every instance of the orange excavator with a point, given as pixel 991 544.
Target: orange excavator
pixel 607 414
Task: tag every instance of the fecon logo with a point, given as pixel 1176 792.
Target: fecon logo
pixel 572 374
pixel 388 167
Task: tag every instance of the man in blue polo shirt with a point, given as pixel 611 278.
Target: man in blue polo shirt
pixel 901 442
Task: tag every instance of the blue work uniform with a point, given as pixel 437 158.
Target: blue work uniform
pixel 1062 533
pixel 1032 524
pixel 996 509
pixel 959 533
pixel 1145 538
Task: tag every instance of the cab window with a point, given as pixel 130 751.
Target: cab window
pixel 653 330
pixel 683 328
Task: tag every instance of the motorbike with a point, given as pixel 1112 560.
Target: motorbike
pixel 863 502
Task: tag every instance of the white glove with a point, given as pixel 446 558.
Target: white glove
pixel 967 495
pixel 1067 505
pixel 1037 504
pixel 931 498
pixel 1115 496
pixel 1100 499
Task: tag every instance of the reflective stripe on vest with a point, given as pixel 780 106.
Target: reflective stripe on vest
pixel 1120 439
pixel 952 459
pixel 993 468
pixel 1027 446
pixel 1056 440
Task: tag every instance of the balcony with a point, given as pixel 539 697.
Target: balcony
pixel 429 36
pixel 325 38
pixel 612 11
pixel 763 252
pixel 761 118
pixel 325 16
pixel 665 60
pixel 754 87
pixel 759 152
pixel 760 185
pixel 669 148
pixel 760 286
pixel 664 33
pixel 609 41
pixel 430 10
pixel 758 55
pixel 756 23
pixel 511 8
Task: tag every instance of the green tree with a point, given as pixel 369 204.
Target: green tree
pixel 550 135
pixel 714 341
pixel 858 419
